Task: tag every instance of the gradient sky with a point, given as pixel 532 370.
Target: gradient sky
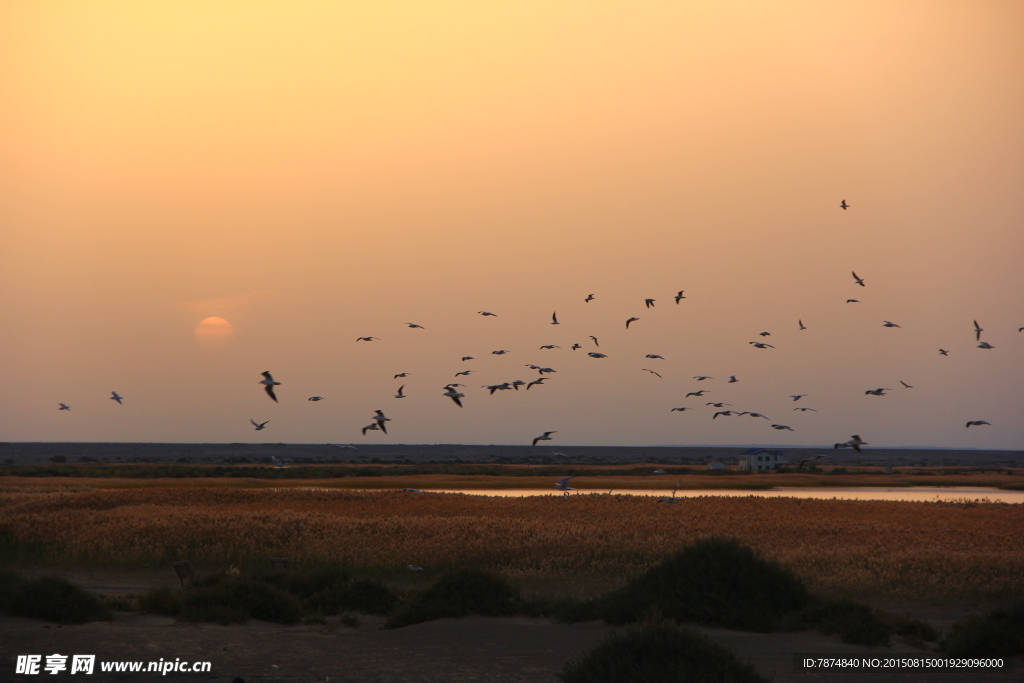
pixel 317 171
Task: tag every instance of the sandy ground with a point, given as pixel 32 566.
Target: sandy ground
pixel 512 649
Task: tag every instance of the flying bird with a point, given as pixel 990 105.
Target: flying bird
pixel 465 358
pixel 359 339
pixel 855 443
pixel 759 345
pixel 381 419
pixel 797 397
pixel 650 371
pixel 63 406
pixel 590 297
pixel 977 423
pixel 782 427
pixel 943 352
pixel 487 313
pixel 701 378
pixel 683 409
pixel 400 394
pixel 678 296
pixel 853 301
pixel 259 425
pixel 906 385
pixel 631 320
pixel 877 392
pixel 804 410
pixel 765 334
pixel 406 374
pixel 985 345
pixel 732 378
pixel 315 398
pixel 500 352
pixel 654 355
pixel 889 324
pixel 454 395
pixel 415 491
pixel 545 437
pixel 802 326
pixel 718 405
pixel 576 346
pixel 115 397
pixel 414 326
pixel 649 303
pixel 374 427
pixel 563 485
pixel 858 280
pixel 596 355
pixel 595 340
pixel 464 373
pixel 554 318
pixel 753 414
pixel 536 381
pixel 551 346
pixel 844 206
pixel 978 331
pixel 269 384
pixel 279 463
pixel 697 393
pixel 727 413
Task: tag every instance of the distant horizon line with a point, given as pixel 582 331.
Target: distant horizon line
pixel 482 445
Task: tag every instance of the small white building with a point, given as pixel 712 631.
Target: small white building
pixel 761 460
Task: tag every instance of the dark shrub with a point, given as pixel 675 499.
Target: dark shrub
pixel 1000 632
pixel 53 599
pixel 715 582
pixel 305 583
pixel 458 594
pixel 658 653
pixel 855 623
pixel 362 595
pixel 227 599
pixel 161 601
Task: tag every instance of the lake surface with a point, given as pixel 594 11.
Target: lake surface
pixel 911 493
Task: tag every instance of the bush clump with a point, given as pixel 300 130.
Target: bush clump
pixel 282 597
pixel 362 595
pixel 1000 632
pixel 226 599
pixel 714 582
pixel 50 598
pixel 659 652
pixel 855 623
pixel 459 594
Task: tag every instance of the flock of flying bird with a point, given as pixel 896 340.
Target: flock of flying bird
pixel 452 390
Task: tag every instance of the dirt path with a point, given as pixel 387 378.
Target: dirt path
pixel 498 650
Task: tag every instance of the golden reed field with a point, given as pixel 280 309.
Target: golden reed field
pixel 894 550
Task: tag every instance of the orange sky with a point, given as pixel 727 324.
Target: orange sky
pixel 316 171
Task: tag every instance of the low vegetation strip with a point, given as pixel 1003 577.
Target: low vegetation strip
pixel 928 551
pixel 594 477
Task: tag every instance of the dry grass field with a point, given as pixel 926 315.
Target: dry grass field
pixel 890 550
pixel 609 478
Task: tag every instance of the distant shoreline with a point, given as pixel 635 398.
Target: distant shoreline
pixel 39 453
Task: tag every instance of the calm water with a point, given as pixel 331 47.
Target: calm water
pixel 916 493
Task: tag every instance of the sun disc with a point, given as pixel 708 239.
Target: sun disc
pixel 214 332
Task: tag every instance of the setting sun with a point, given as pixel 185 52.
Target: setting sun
pixel 214 332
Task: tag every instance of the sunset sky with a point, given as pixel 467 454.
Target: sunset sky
pixel 313 172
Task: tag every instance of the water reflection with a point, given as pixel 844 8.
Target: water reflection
pixel 915 493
